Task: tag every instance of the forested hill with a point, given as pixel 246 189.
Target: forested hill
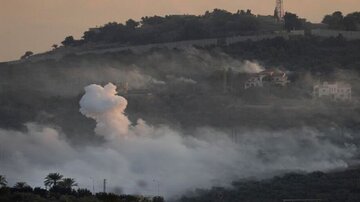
pixel 155 29
pixel 216 24
pixel 330 187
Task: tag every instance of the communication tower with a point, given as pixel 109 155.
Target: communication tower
pixel 279 10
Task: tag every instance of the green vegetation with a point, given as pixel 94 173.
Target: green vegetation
pixel 52 179
pixel 338 21
pixel 216 24
pixel 27 55
pixel 332 187
pixel 155 29
pixel 320 56
pixel 293 22
pixel 3 181
pixel 61 190
pixel 68 183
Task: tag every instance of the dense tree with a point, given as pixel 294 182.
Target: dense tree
pixel 23 193
pixel 156 29
pixel 27 54
pixel 52 179
pixel 151 21
pixel 332 187
pixel 83 192
pixel 21 185
pixel 3 181
pixel 68 183
pixel 340 22
pixel 292 21
pixel 334 21
pixel 158 199
pixel 68 41
pixel 132 24
pixel 352 21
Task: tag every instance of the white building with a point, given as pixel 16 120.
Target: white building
pixel 335 91
pixel 267 77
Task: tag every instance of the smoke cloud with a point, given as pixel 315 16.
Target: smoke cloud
pixel 135 157
pixel 104 106
pixel 251 67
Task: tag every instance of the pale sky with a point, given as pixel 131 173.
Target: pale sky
pixel 37 24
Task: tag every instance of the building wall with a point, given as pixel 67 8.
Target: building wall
pixel 350 35
pixel 335 92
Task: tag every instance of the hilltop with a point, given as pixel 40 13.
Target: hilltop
pixel 215 28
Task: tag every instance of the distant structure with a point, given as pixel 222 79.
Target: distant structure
pixel 279 10
pixel 335 91
pixel 104 186
pixel 123 87
pixel 268 77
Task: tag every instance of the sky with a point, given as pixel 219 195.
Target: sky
pixel 35 25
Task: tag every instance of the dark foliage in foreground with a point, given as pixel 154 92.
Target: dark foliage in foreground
pixel 60 194
pixel 330 187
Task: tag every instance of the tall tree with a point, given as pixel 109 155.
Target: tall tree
pixel 27 54
pixel 334 21
pixel 21 185
pixel 292 21
pixel 68 183
pixel 132 24
pixel 68 41
pixel 52 179
pixel 352 21
pixel 3 181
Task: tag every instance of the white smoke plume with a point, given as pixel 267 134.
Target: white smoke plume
pixel 104 106
pixel 251 67
pixel 181 79
pixel 150 155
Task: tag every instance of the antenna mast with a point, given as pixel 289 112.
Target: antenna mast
pixel 279 10
pixel 104 187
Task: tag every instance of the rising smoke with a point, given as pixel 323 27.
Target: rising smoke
pixel 135 157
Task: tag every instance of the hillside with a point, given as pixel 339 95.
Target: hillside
pixel 194 95
pixel 185 82
pixel 217 107
pixel 331 187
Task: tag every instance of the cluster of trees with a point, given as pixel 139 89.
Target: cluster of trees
pixel 26 55
pixel 338 21
pixel 293 22
pixel 218 23
pixel 215 24
pixel 61 189
pixel 317 55
pixel 331 187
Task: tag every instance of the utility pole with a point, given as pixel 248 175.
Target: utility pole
pixel 158 186
pixel 104 188
pixel 93 184
pixel 2 159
